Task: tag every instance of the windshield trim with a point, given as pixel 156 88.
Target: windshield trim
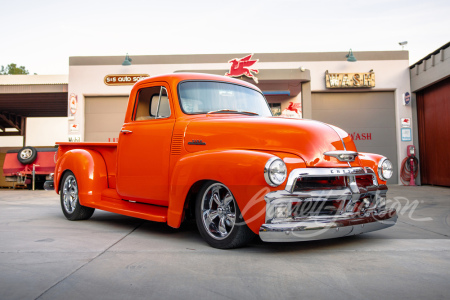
pixel 219 81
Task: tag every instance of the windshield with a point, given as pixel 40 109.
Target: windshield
pixel 201 97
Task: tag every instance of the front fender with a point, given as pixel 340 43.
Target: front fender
pixel 242 171
pixel 89 168
pixel 371 160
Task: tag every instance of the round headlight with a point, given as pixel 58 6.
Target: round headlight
pixel 275 171
pixel 385 169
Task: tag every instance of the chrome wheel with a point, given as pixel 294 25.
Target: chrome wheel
pixel 26 153
pixel 70 194
pixel 70 200
pixel 218 211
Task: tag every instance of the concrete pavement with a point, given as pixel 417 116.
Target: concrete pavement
pixel 45 256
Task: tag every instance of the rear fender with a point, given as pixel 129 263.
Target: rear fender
pixel 89 168
pixel 242 171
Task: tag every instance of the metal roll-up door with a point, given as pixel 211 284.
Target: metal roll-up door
pixel 368 117
pixel 104 118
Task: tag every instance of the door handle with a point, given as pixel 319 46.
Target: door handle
pixel 126 131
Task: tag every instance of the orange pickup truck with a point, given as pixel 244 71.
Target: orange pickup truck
pixel 207 147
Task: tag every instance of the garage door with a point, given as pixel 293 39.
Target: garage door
pixel 368 117
pixel 433 110
pixel 104 118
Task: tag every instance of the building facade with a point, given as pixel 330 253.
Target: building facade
pixel 365 98
pixel 430 86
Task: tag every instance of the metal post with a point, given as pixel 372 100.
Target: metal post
pixel 34 170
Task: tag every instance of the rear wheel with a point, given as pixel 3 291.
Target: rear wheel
pixel 219 219
pixel 70 203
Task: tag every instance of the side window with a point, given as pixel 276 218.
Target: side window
pixel 152 103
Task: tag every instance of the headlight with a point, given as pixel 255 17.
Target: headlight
pixel 275 171
pixel 385 169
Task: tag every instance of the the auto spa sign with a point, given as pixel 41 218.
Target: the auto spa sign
pixel 123 79
pixel 349 80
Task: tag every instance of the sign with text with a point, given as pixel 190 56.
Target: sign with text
pixel 361 136
pixel 406 98
pixel 406 135
pixel 349 80
pixel 123 79
pixel 75 138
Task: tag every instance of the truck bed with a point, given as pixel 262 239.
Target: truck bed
pixel 107 150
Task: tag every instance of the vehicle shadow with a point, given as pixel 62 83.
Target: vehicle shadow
pixel 188 232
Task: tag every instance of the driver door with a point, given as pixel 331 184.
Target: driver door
pixel 144 148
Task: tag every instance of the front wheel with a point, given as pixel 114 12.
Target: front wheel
pixel 70 202
pixel 219 219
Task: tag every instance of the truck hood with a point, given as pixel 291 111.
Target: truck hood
pixel 306 138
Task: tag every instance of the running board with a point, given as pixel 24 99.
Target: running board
pixel 111 201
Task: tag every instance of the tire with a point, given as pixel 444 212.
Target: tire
pixel 219 219
pixel 27 155
pixel 70 203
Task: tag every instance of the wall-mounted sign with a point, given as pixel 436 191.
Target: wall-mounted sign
pixel 349 80
pixel 241 67
pixel 406 98
pixel 294 110
pixel 123 79
pixel 361 136
pixel 74 127
pixel 406 135
pixel 74 138
pixel 406 122
pixel 73 104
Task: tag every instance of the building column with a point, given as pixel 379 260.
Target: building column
pixel 306 100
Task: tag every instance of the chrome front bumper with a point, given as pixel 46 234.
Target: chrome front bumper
pixel 349 219
pixel 326 228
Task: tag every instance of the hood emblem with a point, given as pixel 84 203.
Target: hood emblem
pixel 342 155
pixel 196 142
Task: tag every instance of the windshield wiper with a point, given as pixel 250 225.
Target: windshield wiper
pixel 232 111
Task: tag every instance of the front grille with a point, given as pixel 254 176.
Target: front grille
pixel 331 182
pixel 312 183
pixel 317 208
pixel 364 181
pixel 326 193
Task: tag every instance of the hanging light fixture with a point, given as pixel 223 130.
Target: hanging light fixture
pixel 127 61
pixel 350 56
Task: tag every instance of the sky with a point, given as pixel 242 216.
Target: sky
pixel 42 34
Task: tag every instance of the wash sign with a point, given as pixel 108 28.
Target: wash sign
pixel 349 80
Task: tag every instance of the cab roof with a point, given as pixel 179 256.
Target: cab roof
pixel 175 78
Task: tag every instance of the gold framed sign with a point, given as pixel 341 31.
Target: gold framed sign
pixel 349 80
pixel 123 79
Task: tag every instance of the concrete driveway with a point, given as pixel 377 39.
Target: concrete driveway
pixel 44 256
